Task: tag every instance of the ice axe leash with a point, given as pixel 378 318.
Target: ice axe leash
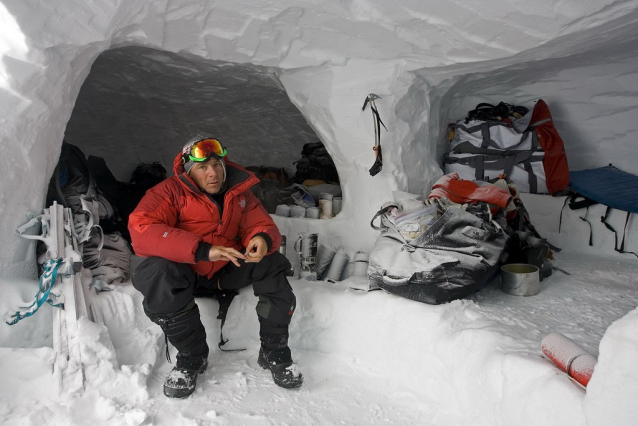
pixel 376 119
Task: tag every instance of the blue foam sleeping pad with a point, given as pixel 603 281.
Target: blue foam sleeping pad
pixel 607 185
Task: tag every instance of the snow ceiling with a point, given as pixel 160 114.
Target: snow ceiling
pixel 267 77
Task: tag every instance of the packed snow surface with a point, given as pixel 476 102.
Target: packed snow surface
pixel 367 358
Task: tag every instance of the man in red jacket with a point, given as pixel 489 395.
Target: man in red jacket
pixel 203 231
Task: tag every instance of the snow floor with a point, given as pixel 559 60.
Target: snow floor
pixel 368 358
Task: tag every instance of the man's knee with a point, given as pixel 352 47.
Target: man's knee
pixel 277 307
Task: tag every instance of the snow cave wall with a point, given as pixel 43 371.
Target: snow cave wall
pixel 427 67
pixel 327 57
pixel 140 105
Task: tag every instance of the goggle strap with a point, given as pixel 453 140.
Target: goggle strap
pixel 199 160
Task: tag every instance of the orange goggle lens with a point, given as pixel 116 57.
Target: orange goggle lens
pixel 203 150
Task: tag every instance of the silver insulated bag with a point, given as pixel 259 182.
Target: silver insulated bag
pixel 446 257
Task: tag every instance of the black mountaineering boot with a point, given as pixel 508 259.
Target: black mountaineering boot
pixel 274 355
pixel 185 331
pixel 181 381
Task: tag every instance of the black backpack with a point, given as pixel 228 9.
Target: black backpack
pixel 147 175
pixel 271 181
pixel 315 163
pixel 74 177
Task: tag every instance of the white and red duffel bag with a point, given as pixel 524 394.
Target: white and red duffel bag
pixel 528 150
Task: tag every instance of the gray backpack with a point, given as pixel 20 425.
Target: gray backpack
pixel 457 255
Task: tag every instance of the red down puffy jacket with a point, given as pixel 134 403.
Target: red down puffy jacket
pixel 175 216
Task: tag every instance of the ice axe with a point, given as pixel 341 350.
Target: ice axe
pixel 378 164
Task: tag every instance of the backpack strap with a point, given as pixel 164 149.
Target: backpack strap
pixel 381 213
pixel 480 163
pixel 560 218
pixel 586 203
pixel 575 205
pixel 485 134
pixel 489 142
pixel 531 176
pixel 620 249
pixel 225 298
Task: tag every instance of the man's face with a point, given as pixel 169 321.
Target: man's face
pixel 208 175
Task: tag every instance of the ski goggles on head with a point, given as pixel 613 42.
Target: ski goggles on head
pixel 203 150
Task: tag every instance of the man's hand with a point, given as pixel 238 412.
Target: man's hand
pixel 256 250
pixel 225 253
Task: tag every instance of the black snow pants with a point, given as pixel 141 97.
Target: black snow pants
pixel 169 289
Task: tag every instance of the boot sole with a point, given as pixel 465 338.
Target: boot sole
pixel 183 393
